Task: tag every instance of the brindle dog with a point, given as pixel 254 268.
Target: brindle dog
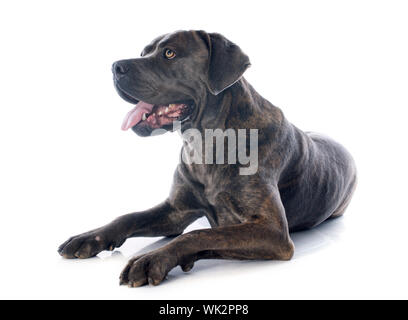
pixel 302 180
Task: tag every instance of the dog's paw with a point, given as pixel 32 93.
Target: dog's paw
pixel 86 245
pixel 150 268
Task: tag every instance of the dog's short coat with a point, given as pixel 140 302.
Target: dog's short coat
pixel 303 178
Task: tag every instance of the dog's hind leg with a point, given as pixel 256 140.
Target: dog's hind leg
pixel 342 208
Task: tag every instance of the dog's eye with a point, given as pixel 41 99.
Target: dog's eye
pixel 169 54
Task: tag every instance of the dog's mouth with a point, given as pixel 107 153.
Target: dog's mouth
pixel 156 116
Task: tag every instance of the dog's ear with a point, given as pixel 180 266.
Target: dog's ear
pixel 227 62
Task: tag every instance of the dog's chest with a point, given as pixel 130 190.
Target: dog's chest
pixel 212 178
pixel 217 195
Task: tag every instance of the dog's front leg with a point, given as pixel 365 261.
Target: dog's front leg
pixel 162 220
pixel 264 236
pixel 247 241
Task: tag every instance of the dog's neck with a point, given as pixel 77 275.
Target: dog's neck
pixel 237 107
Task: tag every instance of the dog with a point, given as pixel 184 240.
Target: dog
pixel 302 179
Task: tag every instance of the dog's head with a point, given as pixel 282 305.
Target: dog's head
pixel 173 73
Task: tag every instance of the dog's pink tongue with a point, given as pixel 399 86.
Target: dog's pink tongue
pixel 135 115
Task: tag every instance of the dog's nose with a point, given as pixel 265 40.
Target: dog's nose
pixel 119 69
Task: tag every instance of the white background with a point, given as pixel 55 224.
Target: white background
pixel 336 67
